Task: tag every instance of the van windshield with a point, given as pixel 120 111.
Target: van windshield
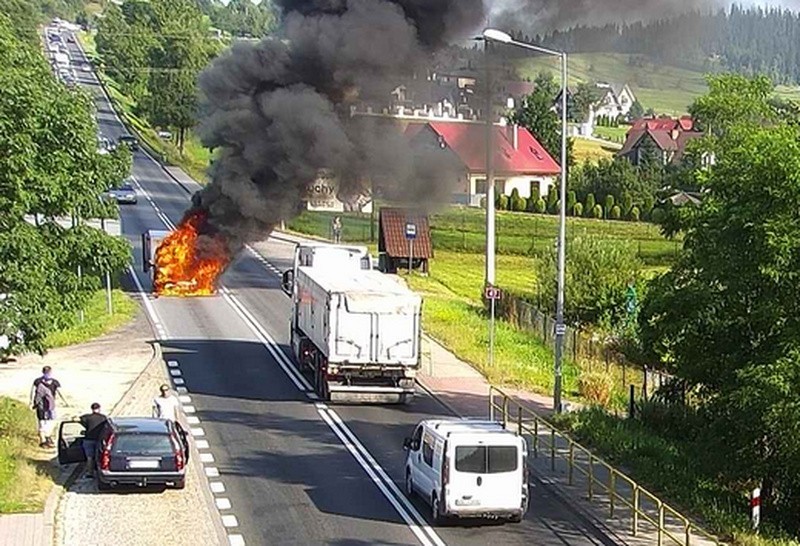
pixel 486 459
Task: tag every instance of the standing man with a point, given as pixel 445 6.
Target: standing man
pixel 94 423
pixel 166 405
pixel 43 400
pixel 336 228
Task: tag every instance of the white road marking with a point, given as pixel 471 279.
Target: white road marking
pixel 192 420
pixel 206 458
pixel 230 520
pixel 211 471
pixel 172 363
pixel 178 380
pixel 236 540
pixel 181 390
pixel 188 409
pixel 185 399
pixel 201 444
pixel 223 503
pixel 217 487
pixel 197 431
pixel 174 372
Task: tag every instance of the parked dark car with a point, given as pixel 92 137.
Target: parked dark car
pixel 137 451
pixel 130 141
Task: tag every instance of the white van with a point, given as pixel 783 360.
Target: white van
pixel 468 469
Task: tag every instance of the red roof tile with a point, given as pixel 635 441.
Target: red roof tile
pixel 392 233
pixel 468 142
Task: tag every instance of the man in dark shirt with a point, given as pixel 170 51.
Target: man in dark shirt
pixel 94 423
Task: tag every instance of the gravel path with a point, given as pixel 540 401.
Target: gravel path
pixel 133 517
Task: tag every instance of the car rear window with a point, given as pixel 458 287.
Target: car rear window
pixel 486 459
pixel 126 187
pixel 143 444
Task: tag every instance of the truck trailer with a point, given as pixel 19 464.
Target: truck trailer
pixel 356 330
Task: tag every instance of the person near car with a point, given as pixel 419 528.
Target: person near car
pixel 93 423
pixel 43 400
pixel 336 228
pixel 165 406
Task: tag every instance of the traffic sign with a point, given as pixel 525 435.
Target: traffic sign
pixel 493 293
pixel 561 329
pixel 411 230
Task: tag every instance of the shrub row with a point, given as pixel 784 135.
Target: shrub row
pixel 609 210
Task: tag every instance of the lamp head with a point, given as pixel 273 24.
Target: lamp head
pixel 497 36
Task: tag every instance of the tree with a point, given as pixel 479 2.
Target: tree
pixel 536 113
pixel 636 111
pixel 245 18
pixel 725 317
pixel 585 95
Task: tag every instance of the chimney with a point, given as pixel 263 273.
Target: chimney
pixel 514 130
pixel 675 134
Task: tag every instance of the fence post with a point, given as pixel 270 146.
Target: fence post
pixel 635 509
pixel 519 420
pixel 536 437
pixel 660 535
pixel 552 448
pixel 591 476
pixel 612 491
pixel 571 461
pixel 505 411
pixel 491 403
pixel 688 528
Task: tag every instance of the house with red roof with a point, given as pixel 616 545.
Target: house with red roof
pixel 519 160
pixel 666 138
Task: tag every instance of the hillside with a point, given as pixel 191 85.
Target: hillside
pixel 664 88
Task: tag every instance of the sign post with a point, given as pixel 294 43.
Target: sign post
pixel 755 508
pixel 492 293
pixel 411 234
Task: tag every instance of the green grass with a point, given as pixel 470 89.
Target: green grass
pixel 26 476
pixel 613 134
pixel 672 469
pixel 592 151
pixel 461 229
pixel 97 321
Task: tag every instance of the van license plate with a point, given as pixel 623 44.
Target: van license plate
pixel 467 502
pixel 143 464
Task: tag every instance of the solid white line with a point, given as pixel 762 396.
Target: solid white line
pixel 217 487
pixel 148 306
pixel 389 482
pixel 223 503
pixel 418 532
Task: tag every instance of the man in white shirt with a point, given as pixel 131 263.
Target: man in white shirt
pixel 166 406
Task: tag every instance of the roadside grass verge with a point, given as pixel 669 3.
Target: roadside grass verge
pixel 672 469
pixel 96 321
pixel 26 476
pixel 195 158
pixel 462 229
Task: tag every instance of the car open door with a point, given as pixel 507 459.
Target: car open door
pixel 184 440
pixel 70 443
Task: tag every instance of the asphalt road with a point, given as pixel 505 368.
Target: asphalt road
pixel 295 471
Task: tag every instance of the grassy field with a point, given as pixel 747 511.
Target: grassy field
pixel 97 321
pixel 613 134
pixel 463 230
pixel 26 476
pixel 592 151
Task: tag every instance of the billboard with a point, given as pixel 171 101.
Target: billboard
pixel 322 193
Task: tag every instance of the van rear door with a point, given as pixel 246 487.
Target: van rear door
pixel 486 474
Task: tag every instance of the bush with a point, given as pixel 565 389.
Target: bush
pixel 616 213
pixel 608 204
pixel 635 215
pixel 483 203
pixel 552 198
pixel 517 203
pixel 626 204
pixel 541 206
pixel 578 209
pixel 590 203
pixel 647 206
pixel 502 202
pixel 571 200
pixel 657 216
pixel 536 191
pixel 530 204
pixel 597 212
pixel 596 386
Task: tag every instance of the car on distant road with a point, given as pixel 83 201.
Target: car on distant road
pixel 123 194
pixel 130 141
pixel 138 451
pixel 70 38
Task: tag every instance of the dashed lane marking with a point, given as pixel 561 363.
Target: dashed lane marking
pixel 236 540
pixel 230 520
pixel 185 399
pixel 211 471
pixel 192 420
pixel 178 380
pixel 172 363
pixel 197 431
pixel 181 390
pixel 188 409
pixel 217 487
pixel 174 372
pixel 206 458
pixel 201 444
pixel 223 503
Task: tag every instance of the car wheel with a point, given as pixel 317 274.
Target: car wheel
pixel 103 486
pixel 180 484
pixel 409 484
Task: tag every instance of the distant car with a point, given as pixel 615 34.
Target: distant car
pixel 137 451
pixel 71 38
pixel 124 194
pixel 130 141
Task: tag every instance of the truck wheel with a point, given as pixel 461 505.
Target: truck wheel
pixel 321 384
pixel 516 518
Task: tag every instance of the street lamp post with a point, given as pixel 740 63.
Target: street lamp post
pixel 494 35
pixel 490 190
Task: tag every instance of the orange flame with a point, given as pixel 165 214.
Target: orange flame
pixel 181 268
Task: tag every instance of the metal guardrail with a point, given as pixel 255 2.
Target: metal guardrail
pixel 600 477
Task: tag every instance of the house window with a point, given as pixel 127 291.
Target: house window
pixel 536 189
pixel 480 186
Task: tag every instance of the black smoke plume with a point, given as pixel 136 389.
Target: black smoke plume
pixel 279 110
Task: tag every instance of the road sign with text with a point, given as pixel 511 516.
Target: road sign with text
pixel 493 293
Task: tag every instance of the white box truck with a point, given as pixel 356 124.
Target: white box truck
pixel 356 330
pixel 151 239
